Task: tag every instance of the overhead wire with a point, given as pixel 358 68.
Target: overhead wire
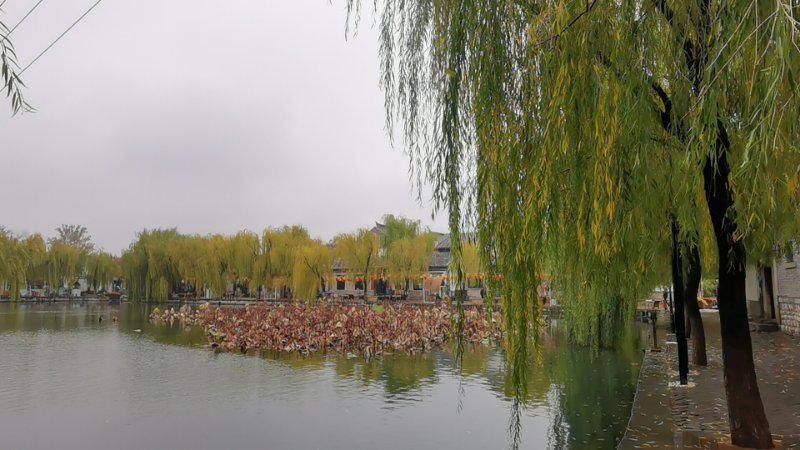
pixel 20 20
pixel 60 36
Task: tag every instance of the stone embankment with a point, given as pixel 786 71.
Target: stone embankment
pixel 667 415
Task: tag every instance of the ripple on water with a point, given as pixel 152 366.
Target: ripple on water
pixel 64 372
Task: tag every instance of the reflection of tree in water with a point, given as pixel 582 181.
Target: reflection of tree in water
pixel 589 391
pixel 476 359
pixel 469 361
pixel 612 382
pixel 399 372
pixel 136 316
pixel 32 317
pixel 558 433
pixel 296 360
pixel 591 384
pixel 408 372
pixel 357 368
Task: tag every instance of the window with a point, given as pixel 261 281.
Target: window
pixel 359 285
pixel 788 256
pixel 339 285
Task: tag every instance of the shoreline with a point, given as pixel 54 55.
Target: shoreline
pixel 667 415
pixel 241 301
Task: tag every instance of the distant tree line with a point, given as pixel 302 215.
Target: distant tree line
pixel 285 262
pixel 28 262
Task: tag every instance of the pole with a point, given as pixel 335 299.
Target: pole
pixel 653 319
pixel 671 310
pixel 679 298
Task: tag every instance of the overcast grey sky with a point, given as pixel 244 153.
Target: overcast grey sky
pixel 213 116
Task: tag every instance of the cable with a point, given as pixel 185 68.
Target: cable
pixel 60 36
pixel 23 18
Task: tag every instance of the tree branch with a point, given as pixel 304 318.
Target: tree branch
pixel 557 36
pixel 668 13
pixel 667 119
pixel 666 114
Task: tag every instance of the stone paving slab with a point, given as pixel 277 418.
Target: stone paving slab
pixel 650 425
pixel 699 417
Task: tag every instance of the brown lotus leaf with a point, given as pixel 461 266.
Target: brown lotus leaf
pixel 307 328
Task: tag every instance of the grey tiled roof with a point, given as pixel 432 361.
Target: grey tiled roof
pixel 379 229
pixel 444 244
pixel 439 260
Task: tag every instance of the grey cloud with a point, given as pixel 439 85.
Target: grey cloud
pixel 213 116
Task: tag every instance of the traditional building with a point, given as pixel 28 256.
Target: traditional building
pixel 435 284
pixel 787 279
pixel 443 283
pixel 773 294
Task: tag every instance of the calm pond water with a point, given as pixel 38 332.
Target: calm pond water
pixel 72 382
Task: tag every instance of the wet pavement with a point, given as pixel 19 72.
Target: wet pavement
pixel 651 423
pixel 697 412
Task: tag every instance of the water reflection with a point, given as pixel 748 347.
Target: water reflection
pixel 399 374
pixel 562 397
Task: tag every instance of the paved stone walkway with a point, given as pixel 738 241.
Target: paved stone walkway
pixel 699 417
pixel 651 424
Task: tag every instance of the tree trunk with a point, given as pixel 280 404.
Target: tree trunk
pixel 687 326
pixel 748 422
pixel 680 295
pixel 698 334
pixel 671 304
pixel 653 321
pixel 364 283
pixel 366 272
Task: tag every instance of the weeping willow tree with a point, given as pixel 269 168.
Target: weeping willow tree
pixel 148 270
pixel 398 227
pixel 196 261
pixel 409 257
pixel 18 256
pixel 241 254
pixel 26 261
pixel 65 264
pixel 164 262
pixel 312 270
pixel 470 261
pixel 359 251
pixel 36 253
pixel 281 246
pixel 12 264
pixel 101 269
pixel 261 269
pixel 471 268
pixel 223 261
pixel 577 136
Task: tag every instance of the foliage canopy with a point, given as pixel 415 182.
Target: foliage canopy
pixel 409 257
pixel 568 132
